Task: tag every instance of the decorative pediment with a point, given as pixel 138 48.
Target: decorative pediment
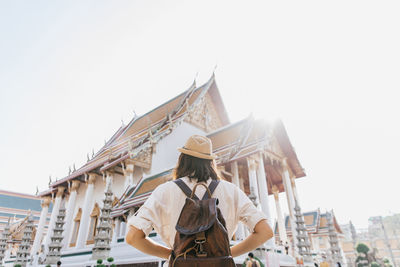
pixel 204 115
pixel 141 158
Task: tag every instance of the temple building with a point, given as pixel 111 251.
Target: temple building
pixel 15 209
pixel 319 231
pixel 100 196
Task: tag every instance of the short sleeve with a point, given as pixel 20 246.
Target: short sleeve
pixel 148 216
pixel 247 212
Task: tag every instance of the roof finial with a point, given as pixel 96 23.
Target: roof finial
pixel 215 67
pixel 49 180
pixel 92 152
pixel 37 190
pixel 69 170
pixel 74 167
pixel 87 157
pixel 134 114
pixel 122 122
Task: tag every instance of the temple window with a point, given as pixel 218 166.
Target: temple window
pixel 94 218
pixel 75 231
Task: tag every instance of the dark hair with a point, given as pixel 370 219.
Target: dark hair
pixel 58 263
pixel 195 168
pixel 251 255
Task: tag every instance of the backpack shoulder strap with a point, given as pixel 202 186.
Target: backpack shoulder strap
pixel 211 187
pixel 185 189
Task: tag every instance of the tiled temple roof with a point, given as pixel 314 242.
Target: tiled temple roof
pixel 138 195
pixel 138 133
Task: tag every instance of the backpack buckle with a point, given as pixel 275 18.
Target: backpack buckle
pixel 200 240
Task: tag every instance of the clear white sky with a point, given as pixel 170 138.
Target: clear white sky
pixel 71 70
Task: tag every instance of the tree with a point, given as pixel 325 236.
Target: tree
pixel 375 264
pixel 386 262
pixel 362 259
pixel 362 248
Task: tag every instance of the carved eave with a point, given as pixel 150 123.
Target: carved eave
pixel 143 158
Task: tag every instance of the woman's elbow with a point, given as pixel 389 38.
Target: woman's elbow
pixel 264 230
pixel 129 237
pixel 134 235
pixel 269 233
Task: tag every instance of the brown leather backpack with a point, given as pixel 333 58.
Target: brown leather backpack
pixel 201 238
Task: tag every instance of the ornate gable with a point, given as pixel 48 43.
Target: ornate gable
pixel 205 115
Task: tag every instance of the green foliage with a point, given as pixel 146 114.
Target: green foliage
pixel 99 261
pixel 113 265
pixel 375 264
pixel 359 258
pixel 48 265
pixel 110 259
pixel 386 262
pixel 362 248
pixel 18 265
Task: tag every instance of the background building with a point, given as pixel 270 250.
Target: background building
pixel 14 211
pixel 381 245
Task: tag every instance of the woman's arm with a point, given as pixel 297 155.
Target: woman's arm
pixel 262 232
pixel 136 238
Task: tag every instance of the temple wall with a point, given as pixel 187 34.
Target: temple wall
pixel 137 174
pixel 118 185
pixel 98 192
pixel 166 154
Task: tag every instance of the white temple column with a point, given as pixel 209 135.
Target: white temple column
pixel 109 180
pixel 69 222
pixel 54 213
pixel 42 221
pixel 281 222
pixel 263 188
pixel 263 194
pixel 124 229
pixel 235 180
pixel 84 225
pixel 290 201
pixel 128 173
pixel 117 229
pixel 294 188
pixel 253 181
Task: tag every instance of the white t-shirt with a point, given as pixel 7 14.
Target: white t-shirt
pixel 162 209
